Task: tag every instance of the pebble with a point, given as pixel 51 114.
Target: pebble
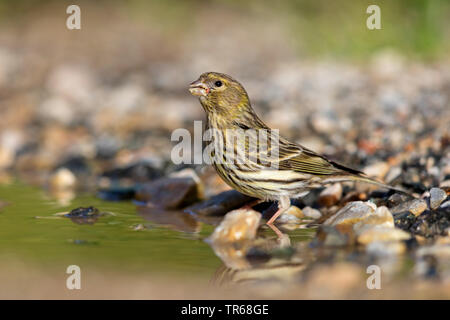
pixel 416 207
pixel 431 223
pixel 437 196
pixel 393 174
pixel 323 123
pixel 445 184
pixel 397 198
pixel 72 81
pixel 354 196
pixel 368 222
pixel 169 193
pixel 291 215
pixel 237 225
pixel 351 213
pixel 56 109
pixel 63 178
pixel 377 170
pixel 190 173
pixel 382 217
pixel 311 213
pixel 330 195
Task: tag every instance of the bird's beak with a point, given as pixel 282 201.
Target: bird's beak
pixel 198 88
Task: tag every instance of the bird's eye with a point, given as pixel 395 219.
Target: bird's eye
pixel 218 83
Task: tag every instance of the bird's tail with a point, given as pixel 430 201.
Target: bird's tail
pixel 363 178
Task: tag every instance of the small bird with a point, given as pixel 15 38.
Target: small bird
pixel 291 174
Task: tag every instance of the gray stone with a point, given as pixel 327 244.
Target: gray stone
pixel 437 196
pixel 382 217
pixel 416 207
pixel 291 215
pixel 351 213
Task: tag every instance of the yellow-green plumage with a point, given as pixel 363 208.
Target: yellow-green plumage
pixel 291 174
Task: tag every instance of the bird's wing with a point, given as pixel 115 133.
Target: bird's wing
pixel 300 159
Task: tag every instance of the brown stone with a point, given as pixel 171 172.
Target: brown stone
pixel 238 225
pixel 330 195
pixel 169 193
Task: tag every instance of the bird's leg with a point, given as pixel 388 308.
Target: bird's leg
pixel 283 204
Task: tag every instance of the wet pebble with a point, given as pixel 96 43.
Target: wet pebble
pixel 237 225
pixel 382 217
pixel 220 204
pixel 169 193
pixel 351 213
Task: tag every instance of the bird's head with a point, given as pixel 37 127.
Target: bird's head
pixel 220 93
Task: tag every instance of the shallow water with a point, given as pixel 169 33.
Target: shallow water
pixel 30 232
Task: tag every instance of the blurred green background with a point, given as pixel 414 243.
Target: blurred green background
pixel 417 28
